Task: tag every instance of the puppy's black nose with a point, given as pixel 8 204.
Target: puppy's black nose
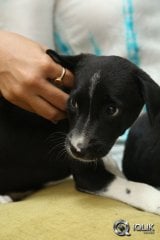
pixel 78 151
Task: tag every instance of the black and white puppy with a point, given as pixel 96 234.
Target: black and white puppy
pixel 108 96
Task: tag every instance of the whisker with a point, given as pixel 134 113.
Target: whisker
pixel 61 144
pixel 56 141
pixel 61 154
pixel 55 135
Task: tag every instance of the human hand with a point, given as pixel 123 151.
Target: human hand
pixel 24 70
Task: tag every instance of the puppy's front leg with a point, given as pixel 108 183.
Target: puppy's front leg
pixel 90 176
pixel 139 195
pixel 94 178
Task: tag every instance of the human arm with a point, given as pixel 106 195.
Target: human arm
pixel 24 70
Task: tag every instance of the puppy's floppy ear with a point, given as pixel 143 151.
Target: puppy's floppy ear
pixel 69 62
pixel 151 94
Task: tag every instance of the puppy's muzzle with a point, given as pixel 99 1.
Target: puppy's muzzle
pixel 78 151
pixel 86 152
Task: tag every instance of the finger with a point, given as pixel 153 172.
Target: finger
pixel 23 105
pixel 68 79
pixel 17 101
pixel 55 71
pixel 55 96
pixel 46 110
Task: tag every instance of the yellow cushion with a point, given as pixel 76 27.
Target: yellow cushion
pixel 61 213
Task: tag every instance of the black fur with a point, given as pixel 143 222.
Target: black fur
pixel 26 140
pixel 141 162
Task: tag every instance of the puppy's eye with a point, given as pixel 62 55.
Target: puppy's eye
pixel 112 110
pixel 73 103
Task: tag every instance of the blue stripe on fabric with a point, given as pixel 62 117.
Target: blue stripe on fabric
pixel 131 35
pixel 62 46
pixel 131 42
pixel 96 49
pixel 66 49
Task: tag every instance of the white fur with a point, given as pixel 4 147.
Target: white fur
pixel 93 83
pixel 141 195
pixel 5 199
pixel 112 165
pixel 78 139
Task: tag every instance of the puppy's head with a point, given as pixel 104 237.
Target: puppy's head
pixel 108 96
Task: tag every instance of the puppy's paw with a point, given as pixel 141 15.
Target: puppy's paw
pixel 139 195
pixel 158 210
pixel 5 199
pixel 152 202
